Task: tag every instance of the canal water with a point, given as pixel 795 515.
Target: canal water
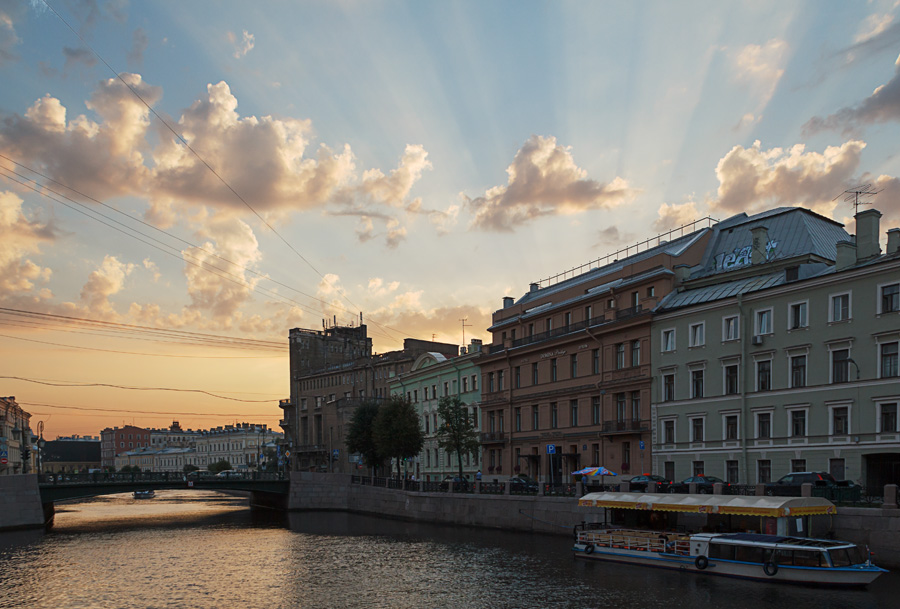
pixel 194 549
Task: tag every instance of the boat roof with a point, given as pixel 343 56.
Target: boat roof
pixel 759 538
pixel 743 505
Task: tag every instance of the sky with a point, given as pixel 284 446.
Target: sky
pixel 181 183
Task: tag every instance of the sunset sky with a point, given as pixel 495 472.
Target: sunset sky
pixel 413 161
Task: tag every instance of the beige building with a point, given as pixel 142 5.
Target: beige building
pixel 17 443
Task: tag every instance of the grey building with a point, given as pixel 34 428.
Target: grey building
pixel 778 353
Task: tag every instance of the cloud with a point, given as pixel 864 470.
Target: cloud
pixel 139 42
pixel 675 215
pixel 444 221
pixel 378 288
pixel 872 26
pixel 444 323
pixel 543 181
pixel 753 179
pixel 888 200
pixel 611 236
pixel 394 189
pixel 10 12
pixel 78 56
pixel 106 281
pixel 154 270
pixel 19 237
pixel 242 46
pixel 761 67
pixel 882 106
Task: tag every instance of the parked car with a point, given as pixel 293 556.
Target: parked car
pixel 459 484
pixel 824 485
pixel 523 484
pixel 229 473
pixel 704 485
pixel 639 484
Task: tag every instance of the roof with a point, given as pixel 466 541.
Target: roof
pixel 712 504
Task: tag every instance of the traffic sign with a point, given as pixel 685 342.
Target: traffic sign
pixel 551 449
pixel 642 445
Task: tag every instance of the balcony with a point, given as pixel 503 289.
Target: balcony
pixel 493 437
pixel 626 426
pixel 629 312
pixel 285 403
pixel 284 423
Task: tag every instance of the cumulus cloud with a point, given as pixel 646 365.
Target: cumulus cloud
pixel 753 179
pixel 394 189
pixel 761 68
pixel 444 221
pixel 104 282
pixel 242 46
pixel 20 236
pixel 139 42
pixel 543 180
pixel 154 270
pixel 674 215
pixel 882 106
pixel 611 236
pixel 10 11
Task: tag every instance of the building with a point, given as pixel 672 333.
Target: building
pixel 431 377
pixel 17 454
pixel 778 353
pixel 173 437
pixel 74 454
pixel 566 380
pixel 117 440
pixel 240 444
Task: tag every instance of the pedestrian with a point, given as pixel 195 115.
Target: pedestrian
pixel 478 476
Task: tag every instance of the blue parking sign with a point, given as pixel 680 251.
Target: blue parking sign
pixel 551 449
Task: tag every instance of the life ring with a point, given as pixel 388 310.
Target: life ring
pixel 770 568
pixel 589 549
pixel 702 562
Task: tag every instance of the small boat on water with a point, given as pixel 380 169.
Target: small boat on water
pixel 144 494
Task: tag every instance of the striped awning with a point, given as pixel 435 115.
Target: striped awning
pixel 775 507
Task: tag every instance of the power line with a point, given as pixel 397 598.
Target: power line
pixel 120 410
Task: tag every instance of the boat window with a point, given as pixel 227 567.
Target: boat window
pixel 846 557
pixel 749 554
pixel 721 551
pixel 784 557
pixel 807 558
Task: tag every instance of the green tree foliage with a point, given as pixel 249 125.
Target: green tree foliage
pixel 397 430
pixel 456 431
pixel 361 433
pixel 219 466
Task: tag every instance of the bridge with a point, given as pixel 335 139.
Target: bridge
pixel 60 487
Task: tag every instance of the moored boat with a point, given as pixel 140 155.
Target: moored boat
pixel 144 494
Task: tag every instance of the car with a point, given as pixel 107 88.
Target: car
pixel 229 473
pixel 459 484
pixel 639 484
pixel 824 485
pixel 705 485
pixel 523 484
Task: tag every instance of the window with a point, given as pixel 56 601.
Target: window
pixel 840 421
pixel 620 356
pixel 697 430
pixel 731 379
pixel 621 407
pixel 669 387
pixel 549 324
pixel 731 427
pixel 890 298
pixel 764 321
pixel 500 374
pixel 669 431
pixel 425 390
pixel 763 471
pixel 668 340
pixel 764 375
pixel 797 316
pixel 568 319
pixel 474 382
pixel 840 365
pixel 697 467
pixel 635 353
pixel 553 369
pixel 798 465
pixel 596 361
pixel 651 291
pixel 595 411
pixel 798 423
pixel 731 472
pixel 763 425
pixel 836 468
pixel 798 371
pixel 490 382
pixel 535 418
pixel 697 335
pixel 669 470
pixel 889 361
pixel 696 383
pixel 626 456
pixel 573 409
pixel 730 328
pixel 518 376
pixel 518 418
pixel 840 308
pixel 534 374
pixel 554 415
pixel 574 361
pixel 588 313
pixel 595 453
pixel 635 405
pixel 888 418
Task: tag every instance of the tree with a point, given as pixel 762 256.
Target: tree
pixel 360 435
pixel 397 430
pixel 188 468
pixel 456 431
pixel 219 466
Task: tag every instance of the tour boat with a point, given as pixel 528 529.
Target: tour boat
pixel 756 556
pixel 144 494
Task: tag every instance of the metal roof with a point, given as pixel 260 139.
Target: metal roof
pixel 744 505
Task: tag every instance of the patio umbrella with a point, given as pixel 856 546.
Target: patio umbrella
pixel 594 471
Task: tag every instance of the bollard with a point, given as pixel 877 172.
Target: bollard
pixel 806 490
pixel 890 497
pixel 760 489
pixel 692 488
pixel 718 488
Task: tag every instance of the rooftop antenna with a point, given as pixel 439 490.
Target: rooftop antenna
pixel 858 195
pixel 464 326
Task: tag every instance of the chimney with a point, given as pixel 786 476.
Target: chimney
pixel 534 287
pixel 682 273
pixel 508 301
pixel 867 234
pixel 759 243
pixel 846 255
pixel 893 245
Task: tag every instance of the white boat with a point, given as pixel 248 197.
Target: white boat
pixel 144 494
pixel 778 558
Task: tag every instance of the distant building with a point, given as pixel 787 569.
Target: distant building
pixel 117 440
pixel 16 439
pixel 173 437
pixel 241 445
pixel 75 454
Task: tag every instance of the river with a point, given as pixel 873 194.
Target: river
pixel 199 550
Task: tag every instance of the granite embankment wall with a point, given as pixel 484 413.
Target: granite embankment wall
pixel 20 502
pixel 878 528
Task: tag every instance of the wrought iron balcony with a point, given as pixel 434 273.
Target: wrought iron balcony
pixel 493 437
pixel 625 426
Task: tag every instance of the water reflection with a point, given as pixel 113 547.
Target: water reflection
pixel 204 549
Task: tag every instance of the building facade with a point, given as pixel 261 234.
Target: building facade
pixel 117 440
pixel 70 455
pixel 778 353
pixel 431 377
pixel 566 379
pixel 17 454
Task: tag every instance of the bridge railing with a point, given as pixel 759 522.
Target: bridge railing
pixel 155 477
